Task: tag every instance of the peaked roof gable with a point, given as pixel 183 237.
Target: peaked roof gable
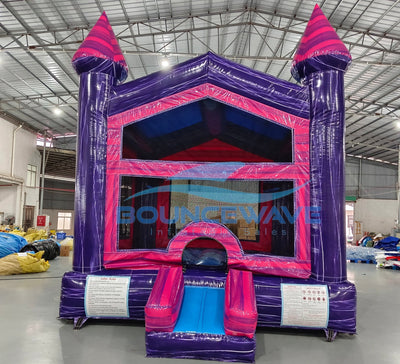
pixel 216 70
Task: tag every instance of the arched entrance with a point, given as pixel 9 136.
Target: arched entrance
pixel 204 253
pixel 223 244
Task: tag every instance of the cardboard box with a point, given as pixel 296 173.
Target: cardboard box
pixel 245 233
pixel 64 251
pixel 241 223
pixel 232 227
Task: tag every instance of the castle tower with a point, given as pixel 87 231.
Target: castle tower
pixel 320 63
pixel 100 64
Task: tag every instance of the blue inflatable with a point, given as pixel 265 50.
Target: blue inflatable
pixel 10 243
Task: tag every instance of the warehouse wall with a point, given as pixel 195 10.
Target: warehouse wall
pixel 58 197
pixel 58 194
pixel 376 215
pixel 14 193
pixel 8 200
pixel 376 181
pixel 53 214
pixel 374 188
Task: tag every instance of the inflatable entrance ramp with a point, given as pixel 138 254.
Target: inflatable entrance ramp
pixel 202 321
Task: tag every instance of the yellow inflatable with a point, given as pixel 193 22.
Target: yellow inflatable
pixel 20 263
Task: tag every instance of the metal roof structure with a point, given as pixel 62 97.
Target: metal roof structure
pixel 39 37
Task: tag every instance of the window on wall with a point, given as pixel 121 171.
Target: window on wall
pixel 31 175
pixel 64 220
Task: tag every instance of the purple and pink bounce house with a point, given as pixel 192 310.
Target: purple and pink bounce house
pixel 210 198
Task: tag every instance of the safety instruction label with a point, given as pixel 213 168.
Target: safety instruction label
pixel 304 305
pixel 107 296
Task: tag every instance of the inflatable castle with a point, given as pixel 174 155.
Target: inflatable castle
pixel 210 198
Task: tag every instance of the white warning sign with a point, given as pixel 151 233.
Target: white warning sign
pixel 304 305
pixel 107 296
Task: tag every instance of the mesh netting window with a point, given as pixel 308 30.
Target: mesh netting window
pixel 260 213
pixel 207 131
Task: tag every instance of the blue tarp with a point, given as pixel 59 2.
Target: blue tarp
pixel 10 243
pixel 388 243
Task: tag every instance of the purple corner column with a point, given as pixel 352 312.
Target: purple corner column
pixel 327 126
pixel 100 64
pixel 90 172
pixel 320 63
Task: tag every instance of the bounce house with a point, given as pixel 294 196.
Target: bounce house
pixel 210 198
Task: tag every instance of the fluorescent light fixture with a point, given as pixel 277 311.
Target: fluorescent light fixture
pixel 57 111
pixel 64 136
pixel 40 143
pixel 165 63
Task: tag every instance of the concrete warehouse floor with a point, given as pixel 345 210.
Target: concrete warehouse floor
pixel 31 332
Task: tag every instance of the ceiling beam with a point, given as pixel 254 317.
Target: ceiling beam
pixel 275 14
pixel 155 29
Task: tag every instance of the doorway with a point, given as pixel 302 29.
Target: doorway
pixel 350 222
pixel 28 218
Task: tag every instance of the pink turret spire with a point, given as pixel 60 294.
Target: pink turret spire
pixel 320 46
pixel 100 44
